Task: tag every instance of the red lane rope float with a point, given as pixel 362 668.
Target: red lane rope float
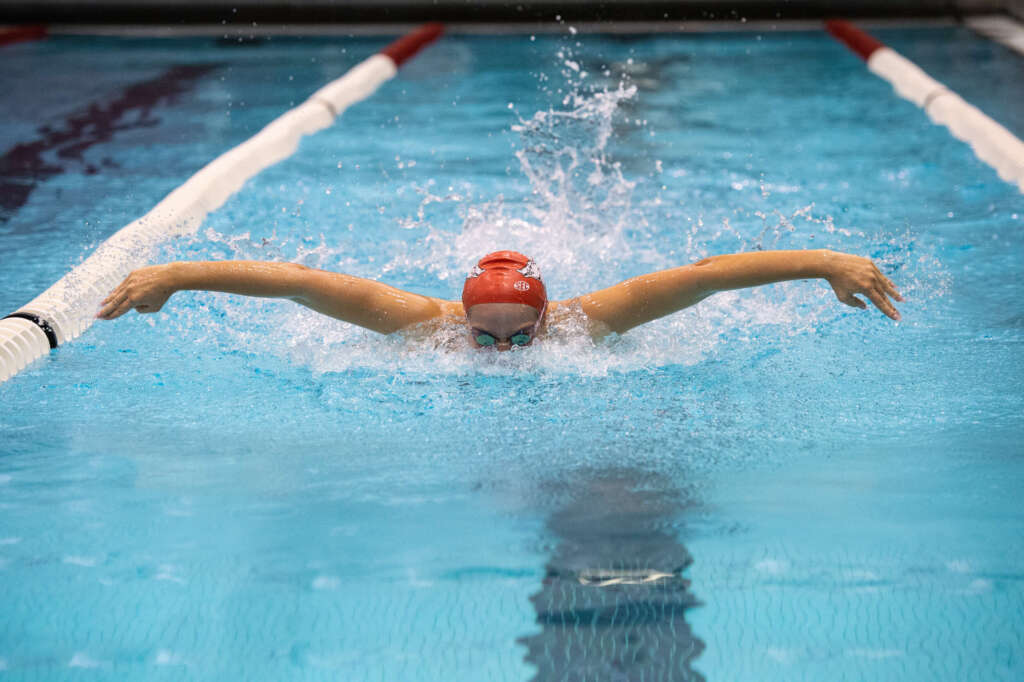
pixel 410 44
pixel 67 308
pixel 17 34
pixel 991 142
pixel 854 38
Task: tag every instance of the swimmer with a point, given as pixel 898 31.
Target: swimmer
pixel 504 301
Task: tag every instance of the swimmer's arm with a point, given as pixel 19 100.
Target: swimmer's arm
pixel 359 301
pixel 648 297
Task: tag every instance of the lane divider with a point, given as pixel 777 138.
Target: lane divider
pixel 67 308
pixel 999 28
pixel 991 142
pixel 17 34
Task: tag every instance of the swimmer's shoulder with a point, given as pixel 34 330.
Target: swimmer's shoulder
pixel 448 314
pixel 566 307
pixel 449 308
pixel 444 331
pixel 570 316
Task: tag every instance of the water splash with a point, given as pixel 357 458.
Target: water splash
pixel 581 220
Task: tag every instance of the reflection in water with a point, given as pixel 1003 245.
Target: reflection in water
pixel 612 605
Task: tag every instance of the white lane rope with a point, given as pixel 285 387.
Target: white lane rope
pixel 991 142
pixel 67 308
pixel 999 28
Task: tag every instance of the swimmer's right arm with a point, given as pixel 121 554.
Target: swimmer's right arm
pixel 356 300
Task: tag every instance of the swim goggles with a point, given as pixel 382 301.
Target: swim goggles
pixel 520 339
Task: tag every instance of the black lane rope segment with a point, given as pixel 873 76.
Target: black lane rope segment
pixel 51 335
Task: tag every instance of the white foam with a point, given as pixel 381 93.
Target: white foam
pixel 784 656
pixel 86 561
pixel 165 657
pixel 326 582
pixel 771 566
pixel 83 660
pixel 414 580
pixel 979 586
pixel 166 572
pixel 875 654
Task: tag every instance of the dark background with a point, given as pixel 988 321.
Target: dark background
pixel 367 11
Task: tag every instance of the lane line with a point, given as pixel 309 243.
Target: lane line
pixel 991 142
pixel 999 28
pixel 68 307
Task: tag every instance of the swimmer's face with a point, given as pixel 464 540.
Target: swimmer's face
pixel 506 323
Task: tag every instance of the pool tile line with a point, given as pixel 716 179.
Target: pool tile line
pixel 27 164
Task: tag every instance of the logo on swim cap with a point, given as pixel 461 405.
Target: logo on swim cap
pixel 521 285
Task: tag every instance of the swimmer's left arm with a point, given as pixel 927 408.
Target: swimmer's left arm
pixel 648 297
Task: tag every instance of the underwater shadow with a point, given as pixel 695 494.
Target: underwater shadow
pixel 613 601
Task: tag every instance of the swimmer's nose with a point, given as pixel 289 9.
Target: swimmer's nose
pixel 503 345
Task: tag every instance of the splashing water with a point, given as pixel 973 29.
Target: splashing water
pixel 580 221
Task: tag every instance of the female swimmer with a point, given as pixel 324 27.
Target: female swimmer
pixel 504 302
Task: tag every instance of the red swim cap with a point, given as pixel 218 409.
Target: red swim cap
pixel 505 277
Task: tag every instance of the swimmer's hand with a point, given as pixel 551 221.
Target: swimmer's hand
pixel 849 275
pixel 145 289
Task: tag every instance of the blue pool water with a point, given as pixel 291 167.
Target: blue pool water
pixel 241 489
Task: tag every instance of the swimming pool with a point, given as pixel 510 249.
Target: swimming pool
pixel 240 489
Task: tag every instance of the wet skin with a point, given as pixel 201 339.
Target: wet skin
pixel 502 321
